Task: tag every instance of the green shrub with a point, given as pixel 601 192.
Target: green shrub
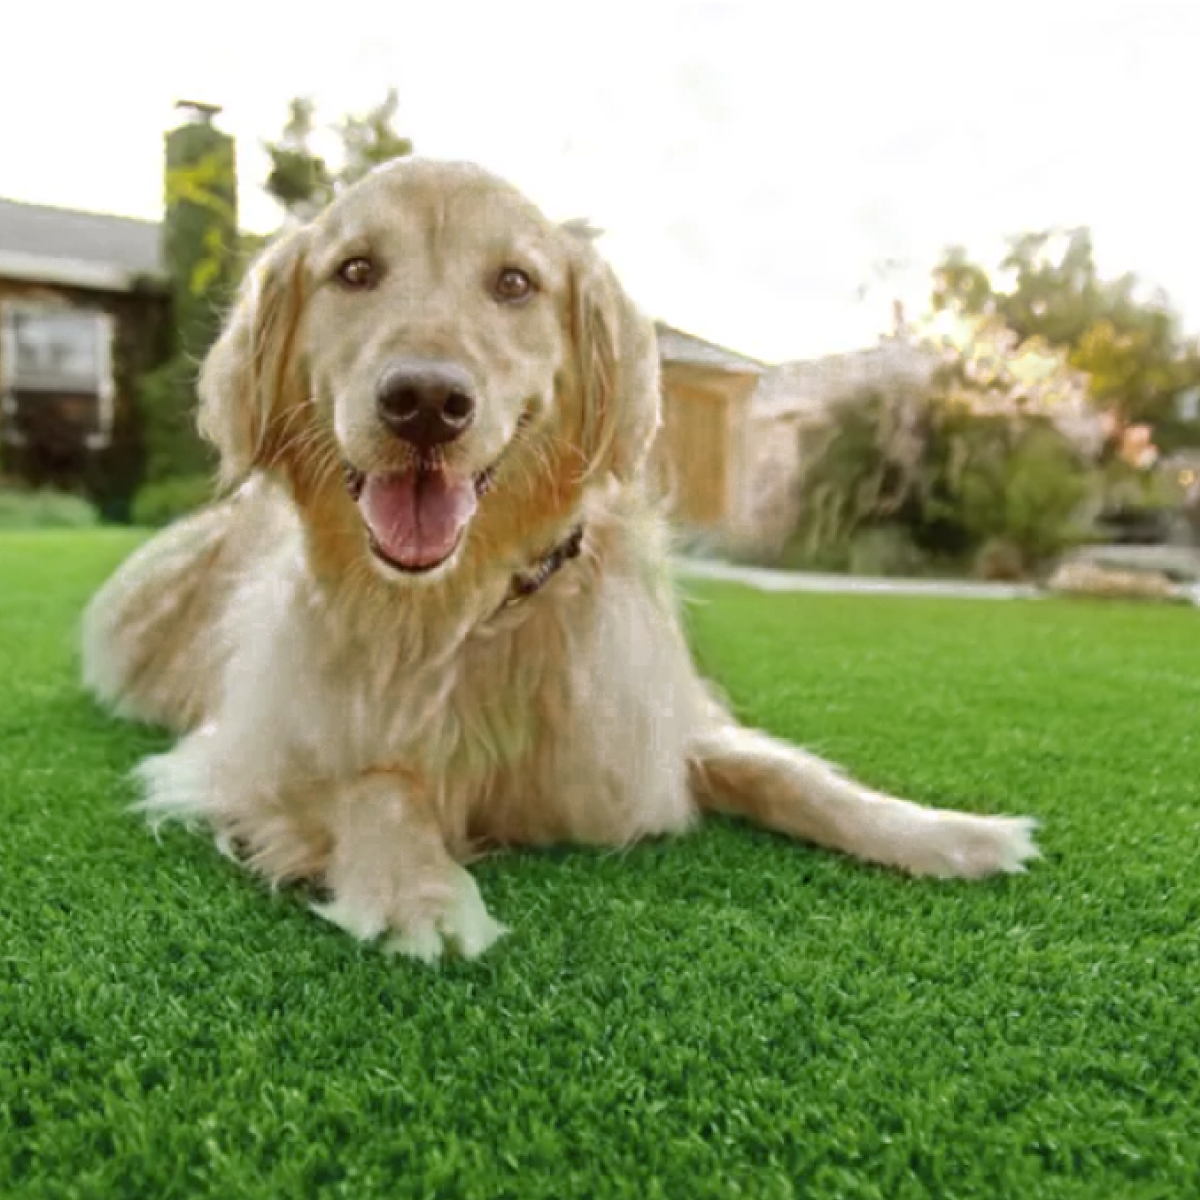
pixel 1000 561
pixel 159 504
pixel 829 558
pixel 1045 486
pixel 961 496
pixel 861 470
pixel 45 509
pixel 166 400
pixel 886 550
pixel 896 482
pixel 1122 485
pixel 993 478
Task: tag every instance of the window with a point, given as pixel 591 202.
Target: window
pixel 52 352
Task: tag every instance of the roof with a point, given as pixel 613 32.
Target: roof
pixel 810 385
pixel 80 249
pixel 676 346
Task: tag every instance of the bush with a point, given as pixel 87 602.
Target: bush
pixel 1000 479
pixel 797 555
pixel 159 504
pixel 872 550
pixel 886 550
pixel 1045 486
pixel 862 469
pixel 45 509
pixel 1000 561
pixel 898 481
pixel 960 500
pixel 166 401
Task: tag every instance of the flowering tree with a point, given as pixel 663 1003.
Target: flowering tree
pixel 995 447
pixel 1124 335
pixel 988 369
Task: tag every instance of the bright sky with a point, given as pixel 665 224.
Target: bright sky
pixel 751 163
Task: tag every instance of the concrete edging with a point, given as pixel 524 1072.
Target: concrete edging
pixel 767 579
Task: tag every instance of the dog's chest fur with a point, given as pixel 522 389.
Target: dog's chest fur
pixel 514 725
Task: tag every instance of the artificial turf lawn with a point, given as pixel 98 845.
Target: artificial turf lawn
pixel 729 1014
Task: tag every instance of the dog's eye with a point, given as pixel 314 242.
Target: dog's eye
pixel 512 285
pixel 357 273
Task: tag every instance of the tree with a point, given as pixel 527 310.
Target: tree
pixel 371 139
pixel 961 285
pixel 987 369
pixel 301 178
pixel 1128 343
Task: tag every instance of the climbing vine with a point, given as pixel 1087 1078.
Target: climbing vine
pixel 201 250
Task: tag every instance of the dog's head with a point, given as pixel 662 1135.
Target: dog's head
pixel 435 349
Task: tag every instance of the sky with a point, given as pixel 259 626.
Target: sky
pixel 769 175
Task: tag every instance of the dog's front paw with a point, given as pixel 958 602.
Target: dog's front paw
pixel 965 846
pixel 464 924
pixel 457 920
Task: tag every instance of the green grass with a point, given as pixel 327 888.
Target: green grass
pixel 729 1014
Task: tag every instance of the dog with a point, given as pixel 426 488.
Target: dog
pixel 432 615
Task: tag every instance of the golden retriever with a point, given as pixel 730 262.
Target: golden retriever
pixel 435 617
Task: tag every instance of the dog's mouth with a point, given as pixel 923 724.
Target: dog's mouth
pixel 416 518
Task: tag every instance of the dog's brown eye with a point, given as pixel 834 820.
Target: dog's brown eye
pixel 512 284
pixel 357 272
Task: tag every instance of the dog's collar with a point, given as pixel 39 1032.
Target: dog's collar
pixel 525 583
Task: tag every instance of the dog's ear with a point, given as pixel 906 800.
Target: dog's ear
pixel 250 379
pixel 616 368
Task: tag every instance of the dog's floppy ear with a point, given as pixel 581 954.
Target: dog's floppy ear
pixel 616 368
pixel 249 379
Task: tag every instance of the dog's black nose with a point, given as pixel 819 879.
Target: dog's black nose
pixel 426 403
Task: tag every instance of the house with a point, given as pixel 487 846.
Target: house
pixel 736 431
pixel 792 402
pixel 83 313
pixel 698 458
pixel 730 454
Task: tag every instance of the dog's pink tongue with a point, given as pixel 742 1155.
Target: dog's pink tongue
pixel 418 517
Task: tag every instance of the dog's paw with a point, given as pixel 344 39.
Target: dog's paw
pixel 458 921
pixel 176 785
pixel 965 846
pixel 362 921
pixel 464 925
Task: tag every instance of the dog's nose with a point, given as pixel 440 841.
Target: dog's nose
pixel 426 403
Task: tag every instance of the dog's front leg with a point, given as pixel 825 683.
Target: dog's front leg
pixel 390 874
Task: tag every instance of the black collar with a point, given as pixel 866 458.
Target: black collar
pixel 525 583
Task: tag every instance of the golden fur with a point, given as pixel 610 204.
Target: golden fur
pixel 373 731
